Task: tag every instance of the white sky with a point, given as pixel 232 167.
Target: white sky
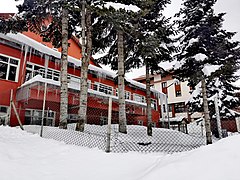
pixel 231 7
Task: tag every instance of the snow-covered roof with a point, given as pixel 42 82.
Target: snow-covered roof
pixel 22 39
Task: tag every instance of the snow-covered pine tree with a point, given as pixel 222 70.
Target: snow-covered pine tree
pixel 207 55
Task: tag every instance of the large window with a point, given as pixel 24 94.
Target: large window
pixel 103 88
pixel 9 68
pixel 179 108
pixel 34 117
pixel 127 94
pixel 34 69
pixel 139 98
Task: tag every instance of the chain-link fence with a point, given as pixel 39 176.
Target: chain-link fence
pixel 176 132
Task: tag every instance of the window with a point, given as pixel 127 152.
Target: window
pixel 179 108
pixel 164 84
pixel 139 98
pixel 34 117
pixel 127 94
pixel 103 120
pixel 33 70
pixel 3 109
pixel 170 108
pixel 154 104
pixel 3 114
pixel 164 108
pixel 178 93
pixel 140 122
pixel 8 68
pixel 103 88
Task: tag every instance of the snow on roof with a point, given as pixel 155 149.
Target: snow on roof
pixel 22 39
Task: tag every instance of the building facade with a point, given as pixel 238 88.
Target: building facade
pixel 27 65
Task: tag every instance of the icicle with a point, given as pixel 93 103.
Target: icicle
pixel 24 62
pixel 30 54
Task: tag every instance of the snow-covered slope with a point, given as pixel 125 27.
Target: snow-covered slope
pixel 25 156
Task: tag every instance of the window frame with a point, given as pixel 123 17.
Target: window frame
pixel 154 104
pixel 179 108
pixel 177 94
pixel 164 84
pixel 97 85
pixel 141 97
pixel 13 65
pixel 39 111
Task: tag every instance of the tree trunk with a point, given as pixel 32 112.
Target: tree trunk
pixel 86 55
pixel 206 113
pixel 121 86
pixel 64 66
pixel 148 99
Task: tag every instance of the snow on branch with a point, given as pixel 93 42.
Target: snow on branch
pixel 118 6
pixel 209 69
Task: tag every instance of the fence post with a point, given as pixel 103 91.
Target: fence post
pixel 109 125
pixel 7 122
pixel 219 127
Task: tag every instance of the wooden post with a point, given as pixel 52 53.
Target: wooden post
pixel 109 125
pixel 18 118
pixel 10 108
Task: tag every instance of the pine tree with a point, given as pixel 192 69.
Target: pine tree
pixel 206 46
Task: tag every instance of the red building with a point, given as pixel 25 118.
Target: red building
pixel 27 64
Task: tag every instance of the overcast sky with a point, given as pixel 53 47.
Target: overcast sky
pixel 231 23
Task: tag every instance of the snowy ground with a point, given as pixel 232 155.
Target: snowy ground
pixel 24 156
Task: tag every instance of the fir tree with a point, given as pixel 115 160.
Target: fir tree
pixel 206 46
